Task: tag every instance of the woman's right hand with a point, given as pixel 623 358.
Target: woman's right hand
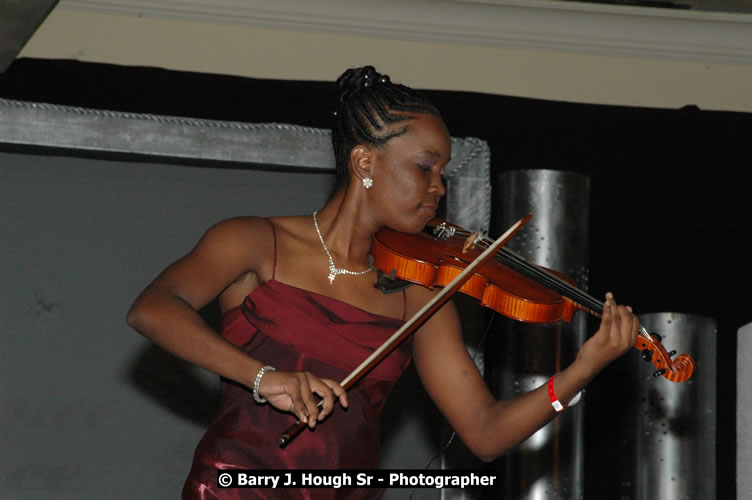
pixel 293 392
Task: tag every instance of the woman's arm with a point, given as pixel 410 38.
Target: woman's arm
pixel 166 312
pixel 489 427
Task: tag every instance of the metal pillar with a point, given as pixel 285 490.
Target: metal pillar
pixel 675 428
pixel 743 411
pixel 521 357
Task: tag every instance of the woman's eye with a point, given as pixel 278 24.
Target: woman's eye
pixel 424 167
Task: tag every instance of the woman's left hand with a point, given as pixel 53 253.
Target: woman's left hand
pixel 616 335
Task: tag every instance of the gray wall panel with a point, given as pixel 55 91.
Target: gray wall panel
pixel 90 408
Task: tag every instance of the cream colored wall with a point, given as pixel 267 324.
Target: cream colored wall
pixel 286 54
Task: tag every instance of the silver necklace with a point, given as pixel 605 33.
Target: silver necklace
pixel 334 270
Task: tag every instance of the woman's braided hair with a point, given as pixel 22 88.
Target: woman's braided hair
pixel 368 108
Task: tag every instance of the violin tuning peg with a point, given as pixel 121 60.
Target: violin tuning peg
pixel 660 372
pixel 671 354
pixel 647 355
pixel 657 336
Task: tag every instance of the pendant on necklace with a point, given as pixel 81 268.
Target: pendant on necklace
pixel 333 270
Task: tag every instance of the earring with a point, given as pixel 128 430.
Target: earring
pixel 367 182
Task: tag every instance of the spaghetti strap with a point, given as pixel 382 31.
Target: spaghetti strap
pixel 404 303
pixel 274 237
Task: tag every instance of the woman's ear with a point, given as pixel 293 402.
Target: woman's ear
pixel 360 164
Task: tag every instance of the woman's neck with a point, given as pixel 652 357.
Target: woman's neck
pixel 346 228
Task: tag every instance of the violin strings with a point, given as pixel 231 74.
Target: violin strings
pixel 518 263
pixel 522 265
pixel 525 267
pixel 530 270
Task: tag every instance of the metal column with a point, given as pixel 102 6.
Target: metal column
pixel 521 357
pixel 674 431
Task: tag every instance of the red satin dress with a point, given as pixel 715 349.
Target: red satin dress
pixel 294 329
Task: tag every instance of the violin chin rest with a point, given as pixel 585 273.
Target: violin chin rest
pixel 388 283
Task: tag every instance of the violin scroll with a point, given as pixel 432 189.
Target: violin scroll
pixel 679 369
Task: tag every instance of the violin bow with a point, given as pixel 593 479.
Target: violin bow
pixel 416 321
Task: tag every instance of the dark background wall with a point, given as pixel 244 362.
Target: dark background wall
pixel 669 207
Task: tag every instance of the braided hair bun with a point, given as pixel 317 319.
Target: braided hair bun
pixel 355 79
pixel 371 110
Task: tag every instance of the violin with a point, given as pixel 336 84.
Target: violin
pixel 508 284
pixel 453 259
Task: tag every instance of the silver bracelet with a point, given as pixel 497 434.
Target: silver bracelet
pixel 257 382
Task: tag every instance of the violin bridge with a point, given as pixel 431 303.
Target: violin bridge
pixel 471 241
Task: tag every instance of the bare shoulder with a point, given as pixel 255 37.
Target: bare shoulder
pixel 292 236
pixel 292 227
pixel 238 230
pixel 256 240
pixel 246 241
pixel 233 250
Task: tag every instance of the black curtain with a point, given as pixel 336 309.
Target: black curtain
pixel 670 203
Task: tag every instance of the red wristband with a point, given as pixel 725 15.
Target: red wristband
pixel 558 407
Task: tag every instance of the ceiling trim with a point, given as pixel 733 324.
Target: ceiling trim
pixel 684 35
pixel 97 131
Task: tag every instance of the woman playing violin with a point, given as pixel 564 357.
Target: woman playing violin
pixel 300 311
